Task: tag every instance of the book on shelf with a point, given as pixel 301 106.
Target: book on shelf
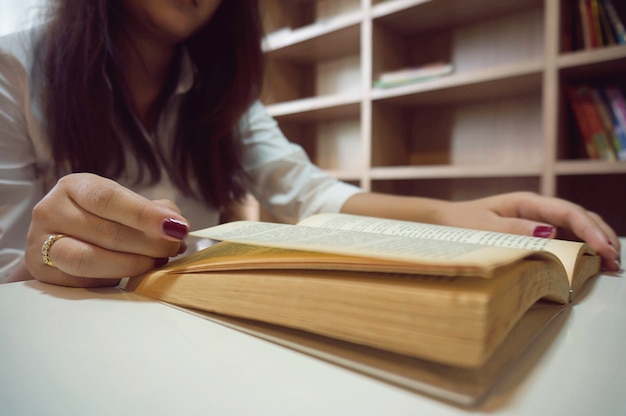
pixel 616 19
pixel 412 75
pixel 616 102
pixel 445 295
pixel 611 124
pixel 607 32
pixel 594 23
pixel 597 140
pixel 594 20
pixel 586 24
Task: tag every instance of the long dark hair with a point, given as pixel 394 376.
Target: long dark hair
pixel 82 106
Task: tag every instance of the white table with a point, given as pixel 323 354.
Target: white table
pixel 108 352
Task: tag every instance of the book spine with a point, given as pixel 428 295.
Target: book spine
pixel 616 21
pixel 590 124
pixel 603 108
pixel 607 30
pixel 577 35
pixel 594 12
pixel 583 11
pixel 589 32
pixel 617 104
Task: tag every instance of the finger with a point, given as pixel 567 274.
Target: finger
pixel 74 221
pixel 62 279
pixel 614 239
pixel 586 226
pixel 107 199
pixel 522 226
pixel 73 257
pixel 167 204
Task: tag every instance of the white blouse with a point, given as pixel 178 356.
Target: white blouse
pixel 284 180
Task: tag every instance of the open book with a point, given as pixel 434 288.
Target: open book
pixel 441 294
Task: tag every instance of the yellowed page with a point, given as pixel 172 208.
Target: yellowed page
pixel 566 251
pixel 229 256
pixel 460 257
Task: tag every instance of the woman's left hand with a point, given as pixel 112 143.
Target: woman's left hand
pixel 524 213
pixel 528 213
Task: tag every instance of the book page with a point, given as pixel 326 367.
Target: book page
pixel 228 256
pixel 455 256
pixel 566 251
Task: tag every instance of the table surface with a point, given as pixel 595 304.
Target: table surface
pixel 95 352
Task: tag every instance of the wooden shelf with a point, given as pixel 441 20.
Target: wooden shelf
pixel 499 122
pixel 317 108
pixel 411 16
pixel 588 167
pixel 319 41
pixel 442 172
pixel 594 63
pixel 510 79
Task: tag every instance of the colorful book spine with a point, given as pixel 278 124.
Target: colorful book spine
pixel 594 17
pixel 603 107
pixel 586 24
pixel 617 104
pixel 597 142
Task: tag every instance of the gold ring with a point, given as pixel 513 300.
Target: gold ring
pixel 45 249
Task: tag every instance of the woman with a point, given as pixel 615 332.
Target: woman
pixel 161 97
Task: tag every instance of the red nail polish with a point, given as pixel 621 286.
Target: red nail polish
pixel 175 228
pixel 543 231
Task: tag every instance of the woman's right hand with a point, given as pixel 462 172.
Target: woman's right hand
pixel 109 232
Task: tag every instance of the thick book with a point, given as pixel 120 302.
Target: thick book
pixel 441 294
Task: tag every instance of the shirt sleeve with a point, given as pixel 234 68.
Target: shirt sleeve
pixel 283 179
pixel 20 186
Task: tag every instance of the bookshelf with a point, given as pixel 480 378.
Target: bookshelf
pixel 500 122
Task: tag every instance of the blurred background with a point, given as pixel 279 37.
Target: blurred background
pixel 18 14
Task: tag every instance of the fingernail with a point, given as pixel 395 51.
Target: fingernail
pixel 160 262
pixel 175 228
pixel 543 231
